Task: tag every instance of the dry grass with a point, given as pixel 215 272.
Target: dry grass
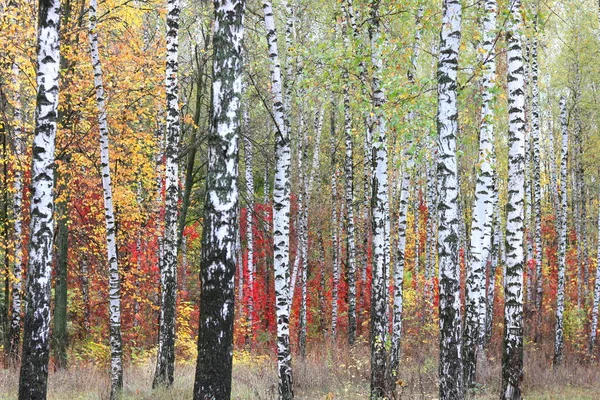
pixel 325 374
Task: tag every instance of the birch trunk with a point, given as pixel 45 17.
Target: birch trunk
pixel 34 357
pixel 594 324
pixel 249 217
pixel 165 364
pixel 450 367
pixel 218 258
pixel 430 228
pixel 494 261
pixel 367 148
pixel 481 224
pixel 537 184
pixel 402 226
pixel 349 193
pixel 85 290
pixel 303 248
pixel 114 281
pixel 281 212
pixel 59 328
pixel 334 231
pixel 17 282
pixel 512 360
pixel 562 237
pixel 306 192
pixel 380 215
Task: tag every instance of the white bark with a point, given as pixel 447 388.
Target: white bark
pixel 380 215
pixel 451 368
pixel 35 354
pixel 562 237
pixel 512 361
pixel 249 217
pixel 349 190
pixel 481 223
pixel 334 233
pixel 114 281
pixel 594 324
pixel 537 184
pixel 17 281
pixel 400 263
pixel 281 212
pixel 221 207
pixel 165 364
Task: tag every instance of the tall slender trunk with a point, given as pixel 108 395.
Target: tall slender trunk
pixel 512 360
pixel 527 199
pixel 349 191
pixel 59 329
pixel 594 323
pixel 85 295
pixel 336 256
pixel 114 280
pixel 380 215
pixel 306 193
pixel 537 184
pixel 249 173
pixel 399 265
pixel 17 282
pixel 494 261
pixel 481 224
pixel 281 212
pixel 34 365
pixel 165 361
pixel 450 367
pixel 218 259
pixel 303 235
pixel 430 227
pixel 191 156
pixel 399 275
pixel 367 149
pixel 562 237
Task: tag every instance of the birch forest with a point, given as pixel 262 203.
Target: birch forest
pixel 310 199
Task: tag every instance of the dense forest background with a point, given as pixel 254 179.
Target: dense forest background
pixel 439 160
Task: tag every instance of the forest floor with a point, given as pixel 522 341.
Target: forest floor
pixel 324 374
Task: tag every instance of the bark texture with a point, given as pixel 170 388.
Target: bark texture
pixel 165 363
pixel 450 366
pixel 219 238
pixel 512 359
pixel 562 237
pixel 34 363
pixel 114 280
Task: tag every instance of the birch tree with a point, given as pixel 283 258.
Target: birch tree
pixel 17 282
pixel 494 261
pixel 218 258
pixel 450 367
pixel 249 174
pixel 537 184
pixel 562 237
pixel 281 211
pixel 335 239
pixel 380 214
pixel 114 281
pixel 594 323
pixel 165 364
pixel 33 376
pixel 349 189
pixel 481 223
pixel 402 226
pixel 512 360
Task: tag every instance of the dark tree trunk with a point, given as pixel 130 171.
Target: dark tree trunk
pixel 59 329
pixel 220 231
